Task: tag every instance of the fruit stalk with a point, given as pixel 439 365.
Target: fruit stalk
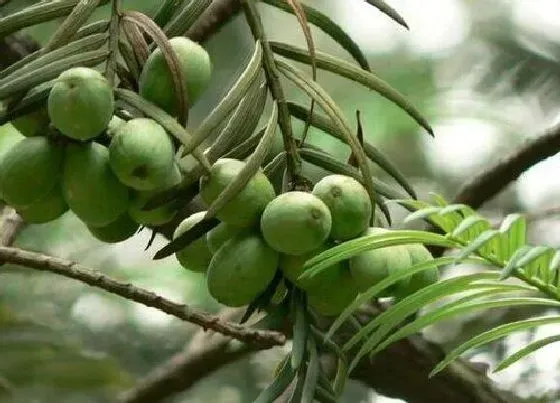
pixel 94 278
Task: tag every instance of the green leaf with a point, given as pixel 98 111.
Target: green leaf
pixel 415 205
pixel 311 374
pixel 321 122
pixel 159 115
pixel 511 265
pixel 300 330
pixel 525 351
pixel 318 94
pixel 251 167
pixel 472 225
pixel 385 8
pixel 491 335
pixel 39 61
pixel 340 377
pixel 36 14
pixel 354 247
pixel 187 238
pixel 328 26
pixel 278 386
pixel 393 316
pixel 273 166
pixel 324 396
pixel 166 11
pixel 476 244
pixel 327 344
pixel 534 260
pixel 464 307
pixel 185 18
pixel 514 228
pixel 228 103
pixel 51 71
pixel 30 102
pixel 345 69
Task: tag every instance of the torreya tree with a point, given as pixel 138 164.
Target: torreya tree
pixel 96 122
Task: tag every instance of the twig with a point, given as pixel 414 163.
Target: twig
pixel 111 67
pixel 212 19
pixel 94 278
pixel 11 224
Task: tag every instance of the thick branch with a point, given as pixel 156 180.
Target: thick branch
pixel 185 312
pixel 212 19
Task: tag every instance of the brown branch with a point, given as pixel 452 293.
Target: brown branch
pixel 212 19
pixel 94 278
pixel 10 225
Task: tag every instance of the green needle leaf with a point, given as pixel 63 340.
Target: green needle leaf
pixel 385 8
pixel 278 386
pixel 312 374
pixel 525 351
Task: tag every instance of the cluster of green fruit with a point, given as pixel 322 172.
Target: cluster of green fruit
pixel 260 232
pixel 75 154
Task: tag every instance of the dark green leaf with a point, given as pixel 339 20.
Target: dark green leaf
pixel 385 8
pixel 312 373
pixel 187 238
pixel 300 329
pixel 278 386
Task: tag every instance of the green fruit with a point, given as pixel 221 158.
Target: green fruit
pixel 30 170
pixel 90 187
pixel 296 223
pixel 81 103
pixel 119 230
pixel 196 256
pixel 418 254
pixel 218 235
pixel 349 204
pixel 44 210
pixel 335 296
pixel 372 266
pixel 241 270
pixel 34 123
pixel 292 268
pixel 159 215
pixel 9 137
pixel 142 155
pixel 245 209
pixel 156 82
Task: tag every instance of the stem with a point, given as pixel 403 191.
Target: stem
pixel 94 278
pixel 293 162
pixel 111 67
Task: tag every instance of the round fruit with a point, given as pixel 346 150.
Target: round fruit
pixel 161 214
pixel 142 155
pixel 9 137
pixel 349 204
pixel 81 103
pixel 372 266
pixel 196 256
pixel 90 187
pixel 44 210
pixel 156 82
pixel 30 170
pixel 245 209
pixel 218 235
pixel 296 223
pixel 34 123
pixel 292 268
pixel 119 230
pixel 241 270
pixel 418 254
pixel 335 297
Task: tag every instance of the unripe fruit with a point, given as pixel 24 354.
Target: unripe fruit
pixel 30 170
pixel 418 254
pixel 119 230
pixel 161 214
pixel 9 137
pixel 44 210
pixel 292 268
pixel 34 123
pixel 218 235
pixel 372 266
pixel 349 204
pixel 241 270
pixel 81 103
pixel 142 154
pixel 156 82
pixel 196 256
pixel 245 209
pixel 295 223
pixel 335 296
pixel 90 187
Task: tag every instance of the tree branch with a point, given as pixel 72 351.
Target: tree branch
pixel 94 278
pixel 212 19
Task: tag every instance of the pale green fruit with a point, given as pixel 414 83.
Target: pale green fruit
pixel 44 210
pixel 156 82
pixel 418 254
pixel 9 137
pixel 142 154
pixel 241 270
pixel 295 223
pixel 218 235
pixel 119 230
pixel 81 103
pixel 90 187
pixel 30 170
pixel 245 209
pixel 335 296
pixel 34 123
pixel 196 256
pixel 349 204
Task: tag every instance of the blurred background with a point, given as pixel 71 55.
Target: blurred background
pixel 487 76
